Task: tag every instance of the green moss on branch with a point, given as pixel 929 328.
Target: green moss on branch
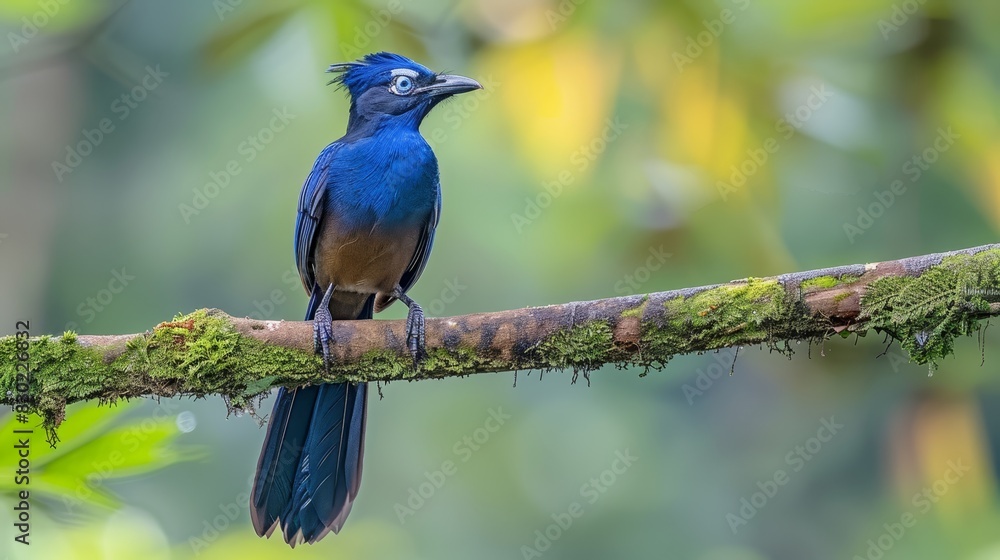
pixel 926 313
pixel 827 282
pixel 753 311
pixel 924 302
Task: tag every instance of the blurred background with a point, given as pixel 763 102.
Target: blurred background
pixel 152 157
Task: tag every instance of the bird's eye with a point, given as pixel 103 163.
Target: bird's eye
pixel 402 85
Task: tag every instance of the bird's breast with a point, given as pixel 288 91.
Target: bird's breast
pixel 375 214
pixel 365 261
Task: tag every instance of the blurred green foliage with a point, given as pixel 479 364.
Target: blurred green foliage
pixel 98 447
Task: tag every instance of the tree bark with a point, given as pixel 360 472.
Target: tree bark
pixel 923 302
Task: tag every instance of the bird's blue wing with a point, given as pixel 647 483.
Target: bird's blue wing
pixel 309 214
pixel 423 250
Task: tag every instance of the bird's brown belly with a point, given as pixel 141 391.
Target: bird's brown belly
pixel 367 262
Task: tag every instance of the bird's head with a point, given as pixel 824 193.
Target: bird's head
pixel 386 87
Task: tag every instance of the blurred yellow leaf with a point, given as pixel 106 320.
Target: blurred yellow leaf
pixel 989 183
pixel 940 449
pixel 557 95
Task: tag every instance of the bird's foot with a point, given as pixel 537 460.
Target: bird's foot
pixel 416 332
pixel 323 328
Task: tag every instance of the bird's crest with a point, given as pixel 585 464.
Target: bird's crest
pixel 371 70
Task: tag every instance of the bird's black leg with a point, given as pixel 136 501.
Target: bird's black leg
pixel 323 328
pixel 416 334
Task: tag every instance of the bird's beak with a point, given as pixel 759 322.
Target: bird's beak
pixel 448 84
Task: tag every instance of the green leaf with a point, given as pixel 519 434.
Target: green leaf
pixel 91 452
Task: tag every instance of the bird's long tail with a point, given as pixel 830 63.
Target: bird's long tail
pixel 310 466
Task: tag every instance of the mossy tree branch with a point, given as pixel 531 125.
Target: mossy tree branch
pixel 923 302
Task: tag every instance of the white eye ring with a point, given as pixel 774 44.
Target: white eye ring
pixel 402 85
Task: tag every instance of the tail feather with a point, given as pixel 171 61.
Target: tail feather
pixel 310 466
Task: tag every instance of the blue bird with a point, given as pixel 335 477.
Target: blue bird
pixel 364 231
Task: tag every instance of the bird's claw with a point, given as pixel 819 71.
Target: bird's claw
pixel 323 329
pixel 322 335
pixel 416 332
